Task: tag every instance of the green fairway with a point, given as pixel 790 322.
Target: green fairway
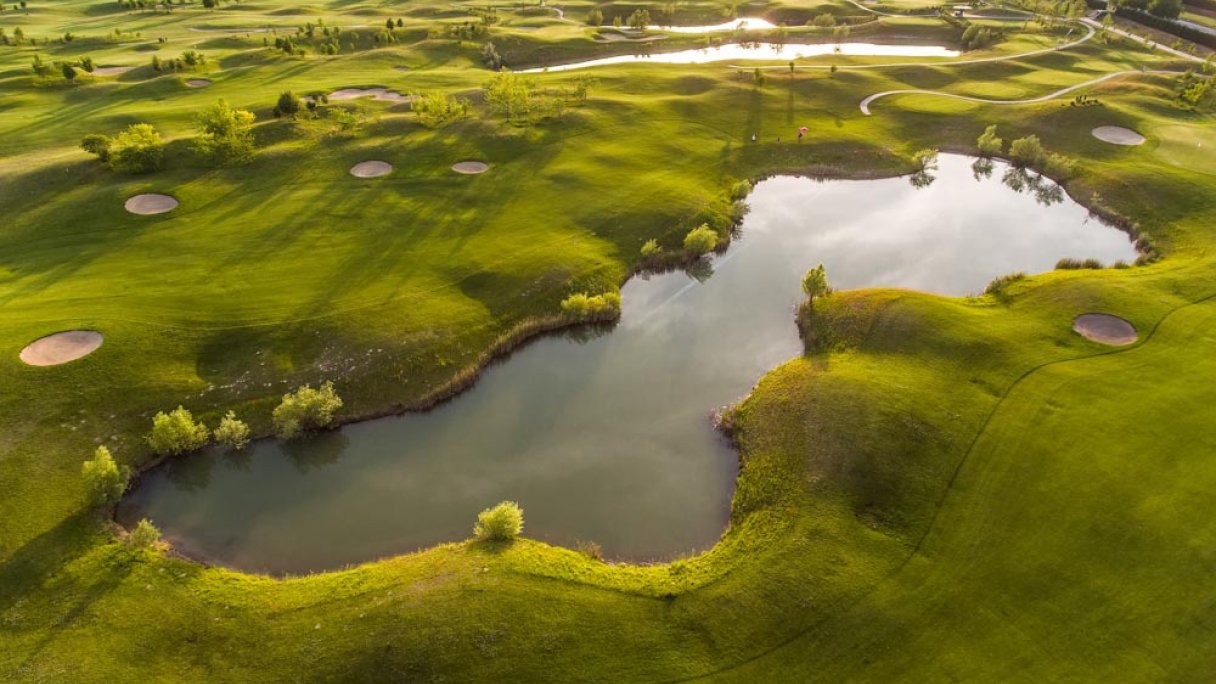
pixel 940 489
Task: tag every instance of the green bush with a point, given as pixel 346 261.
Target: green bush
pixel 989 143
pixel 741 189
pixel 700 240
pixel 288 104
pixel 139 149
pixel 1058 166
pixel 225 135
pixel 144 535
pixel 997 285
pixel 815 283
pixel 306 409
pixel 1027 151
pixel 584 307
pixel 437 109
pixel 503 522
pixel 98 145
pixel 651 248
pixel 176 433
pixel 104 479
pixel 231 432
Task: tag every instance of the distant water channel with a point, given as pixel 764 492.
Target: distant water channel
pixel 762 52
pixel 608 438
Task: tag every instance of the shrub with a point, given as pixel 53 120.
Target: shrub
pixel 989 143
pixel 176 433
pixel 437 109
pixel 824 20
pixel 740 190
pixel 1058 166
pixel 98 145
pixel 1026 151
pixel 144 535
pixel 651 248
pixel 224 134
pixel 997 285
pixel 595 17
pixel 700 240
pixel 591 550
pixel 288 104
pixel 815 283
pixel 306 409
pixel 503 522
pixel 926 159
pixel 139 149
pixel 584 307
pixel 232 433
pixel 104 479
pixel 1067 263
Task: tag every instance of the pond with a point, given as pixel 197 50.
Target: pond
pixel 607 437
pixel 758 52
pixel 741 24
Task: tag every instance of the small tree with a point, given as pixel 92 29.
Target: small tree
pixel 700 240
pixel 104 479
pixel 232 432
pixel 650 248
pixel 139 149
pixel 97 145
pixel 288 104
pixel 584 307
pixel 306 409
pixel 144 535
pixel 176 433
pixel 815 283
pixel 595 17
pixel 503 522
pixel 925 160
pixel 224 134
pixel 989 143
pixel 69 71
pixel 1026 151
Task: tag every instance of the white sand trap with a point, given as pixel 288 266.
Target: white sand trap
pixel 1118 135
pixel 111 70
pixel 198 83
pixel 371 169
pixel 61 347
pixel 150 203
pixel 470 167
pixel 382 94
pixel 1104 328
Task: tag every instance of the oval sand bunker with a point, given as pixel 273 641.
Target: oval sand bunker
pixel 61 347
pixel 1104 328
pixel 150 203
pixel 371 169
pixel 1117 135
pixel 198 83
pixel 470 167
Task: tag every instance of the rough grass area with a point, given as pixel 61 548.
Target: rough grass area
pixel 947 489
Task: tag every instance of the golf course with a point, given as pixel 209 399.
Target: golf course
pixel 789 340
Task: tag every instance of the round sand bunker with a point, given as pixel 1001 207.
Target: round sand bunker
pixel 371 169
pixel 61 347
pixel 470 167
pixel 1104 328
pixel 150 203
pixel 1118 135
pixel 198 83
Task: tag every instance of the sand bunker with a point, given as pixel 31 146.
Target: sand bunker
pixel 111 70
pixel 1104 328
pixel 382 94
pixel 1117 135
pixel 150 203
pixel 371 169
pixel 198 83
pixel 61 347
pixel 470 167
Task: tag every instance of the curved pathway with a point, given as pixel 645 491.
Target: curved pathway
pixel 1022 16
pixel 865 104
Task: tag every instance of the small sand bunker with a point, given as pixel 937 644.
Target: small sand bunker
pixel 371 169
pixel 1104 328
pixel 382 94
pixel 198 83
pixel 1118 135
pixel 150 203
pixel 470 167
pixel 61 347
pixel 111 70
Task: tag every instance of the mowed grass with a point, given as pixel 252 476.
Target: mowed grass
pixel 952 489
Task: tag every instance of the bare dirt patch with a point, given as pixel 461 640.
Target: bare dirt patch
pixel 150 203
pixel 61 347
pixel 1118 135
pixel 371 169
pixel 1105 329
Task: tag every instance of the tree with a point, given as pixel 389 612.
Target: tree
pixel 306 409
pixel 69 71
pixel 97 145
pixel 595 17
pixel 232 432
pixel 815 283
pixel 1026 151
pixel 388 24
pixel 288 104
pixel 989 143
pixel 650 248
pixel 139 149
pixel 437 109
pixel 640 19
pixel 584 307
pixel 700 240
pixel 510 95
pixel 503 522
pixel 224 134
pixel 144 535
pixel 1166 9
pixel 925 160
pixel 758 77
pixel 104 480
pixel 176 432
pixel 490 56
